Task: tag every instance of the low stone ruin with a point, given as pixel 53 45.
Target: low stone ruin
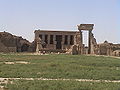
pixel 109 49
pixel 12 43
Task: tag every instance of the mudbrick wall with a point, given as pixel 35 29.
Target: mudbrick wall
pixel 12 43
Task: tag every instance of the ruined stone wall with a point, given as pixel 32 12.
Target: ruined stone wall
pixel 79 44
pixel 116 53
pixel 12 43
pixel 108 48
pixel 94 48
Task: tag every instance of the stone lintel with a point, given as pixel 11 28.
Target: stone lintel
pixel 85 26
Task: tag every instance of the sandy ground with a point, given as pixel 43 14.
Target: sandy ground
pixel 17 62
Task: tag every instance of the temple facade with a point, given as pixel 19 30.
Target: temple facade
pixel 54 41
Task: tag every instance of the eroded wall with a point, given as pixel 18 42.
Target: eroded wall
pixel 12 43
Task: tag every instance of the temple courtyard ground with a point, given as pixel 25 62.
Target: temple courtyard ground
pixel 58 72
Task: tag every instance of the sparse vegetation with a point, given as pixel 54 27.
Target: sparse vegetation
pixel 60 66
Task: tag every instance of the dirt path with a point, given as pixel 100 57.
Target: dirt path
pixel 10 80
pixel 6 80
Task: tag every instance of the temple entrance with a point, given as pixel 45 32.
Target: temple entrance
pixel 89 28
pixel 58 41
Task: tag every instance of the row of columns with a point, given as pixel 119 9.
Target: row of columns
pixel 54 38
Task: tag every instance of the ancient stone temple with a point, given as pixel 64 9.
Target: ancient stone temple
pixel 56 41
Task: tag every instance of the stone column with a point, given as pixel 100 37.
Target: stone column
pixel 39 45
pixel 92 44
pixel 48 39
pixel 54 41
pixel 81 37
pixel 37 48
pixel 89 41
pixel 74 39
pixel 43 37
pixel 68 39
pixel 80 43
pixel 63 40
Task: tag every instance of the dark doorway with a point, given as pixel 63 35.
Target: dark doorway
pixel 58 41
pixel 24 48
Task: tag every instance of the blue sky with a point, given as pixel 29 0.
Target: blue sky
pixel 118 19
pixel 22 17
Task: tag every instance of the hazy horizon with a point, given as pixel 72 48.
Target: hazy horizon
pixel 22 17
